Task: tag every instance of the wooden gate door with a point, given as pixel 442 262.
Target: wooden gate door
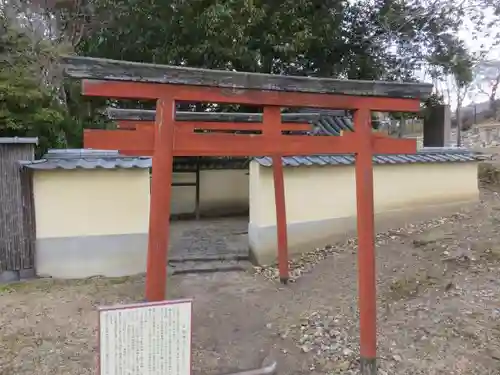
pixel 17 229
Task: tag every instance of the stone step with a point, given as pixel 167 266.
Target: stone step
pixel 190 266
pixel 236 256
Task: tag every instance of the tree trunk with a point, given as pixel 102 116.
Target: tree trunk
pixel 494 106
pixel 458 116
pixel 493 101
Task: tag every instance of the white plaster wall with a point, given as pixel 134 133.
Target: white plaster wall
pixel 324 192
pixel 321 201
pixel 72 203
pixel 221 191
pixel 102 202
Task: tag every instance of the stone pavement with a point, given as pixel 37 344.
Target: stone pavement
pixel 209 245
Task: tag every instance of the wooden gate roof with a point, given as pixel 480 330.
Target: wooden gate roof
pixel 115 70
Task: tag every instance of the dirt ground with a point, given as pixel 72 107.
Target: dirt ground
pixel 439 309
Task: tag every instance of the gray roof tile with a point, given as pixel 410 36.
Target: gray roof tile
pixel 108 163
pixel 86 159
pixel 18 140
pixel 332 123
pixel 445 156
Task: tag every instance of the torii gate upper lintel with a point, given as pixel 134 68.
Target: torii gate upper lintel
pixel 171 137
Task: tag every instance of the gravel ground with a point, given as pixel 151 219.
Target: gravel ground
pixel 439 292
pixel 439 308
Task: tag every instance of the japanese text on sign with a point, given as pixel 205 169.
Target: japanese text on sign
pixel 146 339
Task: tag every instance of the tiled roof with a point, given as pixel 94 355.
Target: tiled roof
pixel 189 164
pixel 86 159
pixel 332 122
pixel 424 156
pixel 18 140
pixel 332 125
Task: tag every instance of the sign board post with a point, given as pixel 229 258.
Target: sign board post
pixel 145 338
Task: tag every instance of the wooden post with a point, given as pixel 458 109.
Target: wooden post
pixel 279 196
pixel 197 196
pixel 159 214
pixel 402 126
pixel 272 125
pixel 366 249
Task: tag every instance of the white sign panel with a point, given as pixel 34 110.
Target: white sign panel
pixel 146 339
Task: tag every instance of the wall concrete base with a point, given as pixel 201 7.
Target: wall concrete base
pixel 9 276
pixel 306 236
pixel 13 276
pixel 82 257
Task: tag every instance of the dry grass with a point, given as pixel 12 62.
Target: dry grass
pixel 489 173
pixel 48 327
pixel 411 286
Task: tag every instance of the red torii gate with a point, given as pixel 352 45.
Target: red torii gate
pixel 169 138
pixel 133 119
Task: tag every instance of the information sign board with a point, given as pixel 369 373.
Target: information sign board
pixel 146 339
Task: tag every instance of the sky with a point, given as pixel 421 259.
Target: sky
pixel 475 46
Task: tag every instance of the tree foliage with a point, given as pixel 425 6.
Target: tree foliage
pixel 380 39
pixel 487 81
pixel 364 39
pixel 28 108
pixel 34 99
